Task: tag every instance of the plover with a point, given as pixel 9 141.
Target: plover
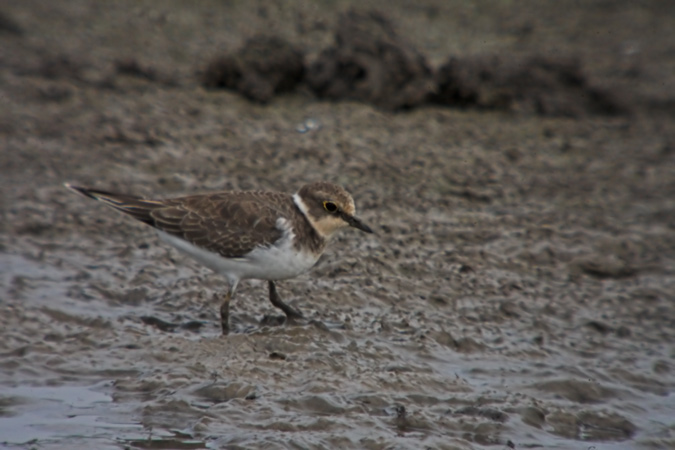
pixel 261 235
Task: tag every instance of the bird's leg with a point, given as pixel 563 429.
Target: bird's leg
pixel 225 309
pixel 225 313
pixel 290 312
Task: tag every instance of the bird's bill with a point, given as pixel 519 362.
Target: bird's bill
pixel 356 223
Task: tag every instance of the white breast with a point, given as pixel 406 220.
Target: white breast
pixel 277 262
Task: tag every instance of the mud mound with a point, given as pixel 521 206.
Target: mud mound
pixel 371 63
pixel 536 84
pixel 264 66
pixel 9 26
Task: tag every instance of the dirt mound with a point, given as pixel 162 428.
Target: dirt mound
pixel 371 63
pixel 264 66
pixel 535 84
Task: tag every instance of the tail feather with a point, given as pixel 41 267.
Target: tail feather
pixel 136 207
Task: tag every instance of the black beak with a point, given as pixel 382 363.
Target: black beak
pixel 356 223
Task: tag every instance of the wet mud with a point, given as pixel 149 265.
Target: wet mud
pixel 518 292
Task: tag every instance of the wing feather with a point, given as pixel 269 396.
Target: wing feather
pixel 230 224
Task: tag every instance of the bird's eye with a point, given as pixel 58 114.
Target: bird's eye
pixel 330 207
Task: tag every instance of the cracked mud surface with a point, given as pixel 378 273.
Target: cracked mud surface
pixel 518 293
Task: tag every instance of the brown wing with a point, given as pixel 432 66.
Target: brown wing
pixel 230 224
pixel 136 207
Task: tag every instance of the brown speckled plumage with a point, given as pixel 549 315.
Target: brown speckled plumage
pixel 228 223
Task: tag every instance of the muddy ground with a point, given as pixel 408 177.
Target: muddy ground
pixel 519 292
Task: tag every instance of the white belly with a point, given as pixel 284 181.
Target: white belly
pixel 264 263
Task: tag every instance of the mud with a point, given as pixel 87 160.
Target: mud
pixel 518 293
pixel 263 67
pixel 370 62
pixel 533 85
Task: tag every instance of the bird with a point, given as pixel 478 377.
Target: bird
pixel 264 235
